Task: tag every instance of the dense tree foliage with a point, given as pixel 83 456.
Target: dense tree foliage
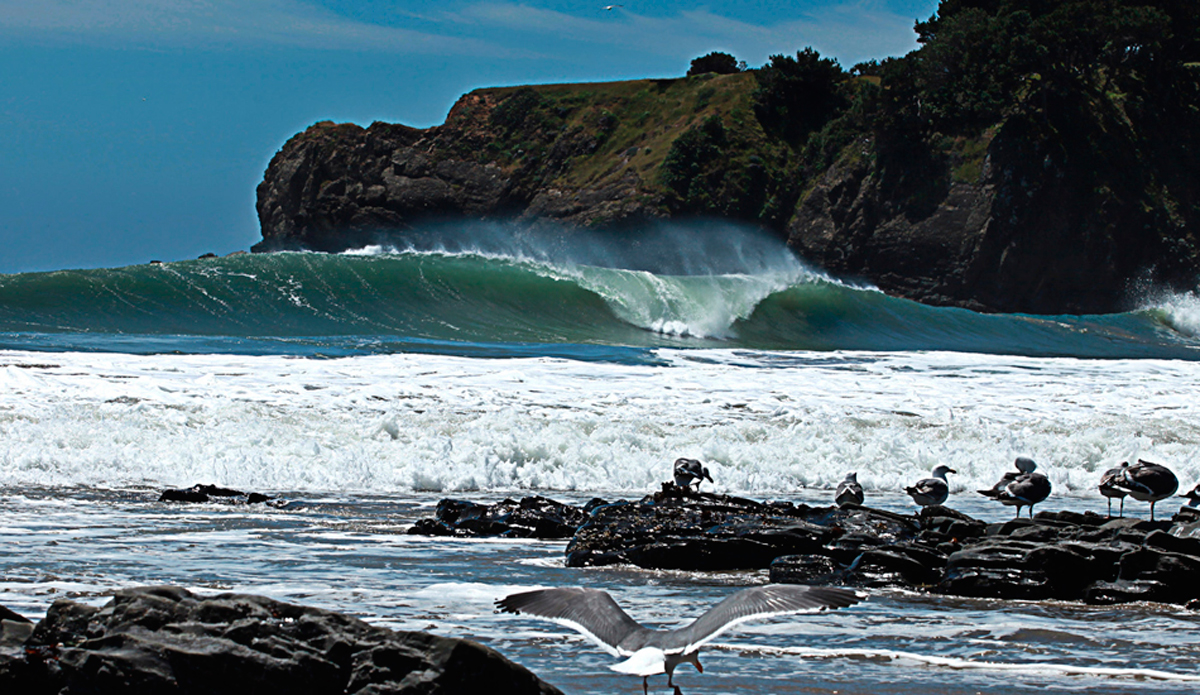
pixel 797 96
pixel 716 62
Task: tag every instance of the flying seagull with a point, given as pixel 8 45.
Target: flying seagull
pixel 928 492
pixel 1148 482
pixel 610 8
pixel 688 471
pixel 1022 488
pixel 1110 489
pixel 848 491
pixel 650 652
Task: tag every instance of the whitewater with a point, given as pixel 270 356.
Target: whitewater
pixel 363 388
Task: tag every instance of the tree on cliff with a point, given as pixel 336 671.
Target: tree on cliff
pixel 796 96
pixel 717 62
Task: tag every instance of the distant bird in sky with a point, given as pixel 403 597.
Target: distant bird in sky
pixel 688 471
pixel 1110 489
pixel 610 8
pixel 650 652
pixel 928 492
pixel 1148 482
pixel 1021 488
pixel 848 491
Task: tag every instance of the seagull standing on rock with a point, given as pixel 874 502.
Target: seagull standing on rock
pixel 1021 488
pixel 1148 482
pixel 688 471
pixel 1110 489
pixel 932 491
pixel 1193 496
pixel 848 491
pixel 650 652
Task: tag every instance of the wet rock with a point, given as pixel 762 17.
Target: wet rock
pixel 806 569
pixel 532 517
pixel 200 494
pixel 166 640
pixel 1012 568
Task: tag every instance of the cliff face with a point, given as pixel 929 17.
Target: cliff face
pixel 576 155
pixel 1057 183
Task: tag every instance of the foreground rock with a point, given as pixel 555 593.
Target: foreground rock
pixel 165 640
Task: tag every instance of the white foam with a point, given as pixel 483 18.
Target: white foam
pixel 764 423
pixel 905 658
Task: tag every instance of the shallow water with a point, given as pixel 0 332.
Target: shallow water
pixel 349 552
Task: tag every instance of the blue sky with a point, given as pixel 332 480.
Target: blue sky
pixel 133 130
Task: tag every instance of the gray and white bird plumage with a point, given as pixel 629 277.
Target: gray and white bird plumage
pixel 1021 488
pixel 1147 482
pixel 933 490
pixel 1110 489
pixel 648 651
pixel 848 491
pixel 688 471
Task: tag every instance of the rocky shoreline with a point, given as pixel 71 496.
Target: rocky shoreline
pixel 1060 555
pixel 163 640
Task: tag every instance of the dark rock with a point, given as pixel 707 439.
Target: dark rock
pixel 200 494
pixel 805 569
pixel 1009 568
pixel 1175 571
pixel 1125 591
pixel 532 517
pixel 165 640
pixel 898 565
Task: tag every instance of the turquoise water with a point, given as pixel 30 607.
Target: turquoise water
pixel 501 305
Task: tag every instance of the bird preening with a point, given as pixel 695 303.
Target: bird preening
pixel 649 652
pixel 690 471
pixel 1023 487
pixel 1143 481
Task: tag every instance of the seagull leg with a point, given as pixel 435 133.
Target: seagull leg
pixel 645 685
pixel 1152 510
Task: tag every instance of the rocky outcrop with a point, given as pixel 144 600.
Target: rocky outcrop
pixel 202 493
pixel 1056 555
pixel 532 517
pixel 165 640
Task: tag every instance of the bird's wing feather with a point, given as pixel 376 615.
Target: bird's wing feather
pixel 591 612
pixel 754 603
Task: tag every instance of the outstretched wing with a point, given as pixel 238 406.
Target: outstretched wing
pixel 754 603
pixel 590 611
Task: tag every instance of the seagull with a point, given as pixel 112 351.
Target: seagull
pixel 1108 486
pixel 1148 482
pixel 1193 496
pixel 688 471
pixel 610 8
pixel 931 491
pixel 1021 488
pixel 650 652
pixel 848 491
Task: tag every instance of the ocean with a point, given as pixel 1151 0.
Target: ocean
pixel 363 387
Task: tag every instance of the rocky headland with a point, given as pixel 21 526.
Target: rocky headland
pixel 164 640
pixel 1054 555
pixel 1018 161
